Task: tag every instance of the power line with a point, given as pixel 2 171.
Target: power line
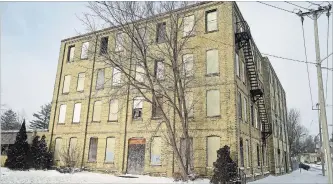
pixel 276 7
pixel 297 5
pixel 280 57
pixel 313 3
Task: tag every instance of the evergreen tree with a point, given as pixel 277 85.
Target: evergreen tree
pixel 19 153
pixel 225 169
pixel 36 155
pixel 42 118
pixel 46 156
pixel 9 121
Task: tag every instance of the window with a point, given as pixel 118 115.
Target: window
pixel 113 113
pixel 159 69
pixel 241 151
pixel 119 42
pixel 188 25
pixel 161 32
pixel 239 104
pixel 84 50
pixel 140 73
pixel 77 113
pixel 80 81
pixel 57 149
pixel 244 72
pixel 142 36
pixel 212 62
pixel 247 153
pixel 211 20
pixel 237 65
pixel 245 109
pixel 213 144
pixel 104 45
pixel 116 79
pixel 92 157
pixel 258 155
pixel 189 103
pixel 100 79
pixel 184 153
pixel 97 111
pixel 137 107
pixel 70 54
pixel 188 65
pixel 67 82
pixel 157 111
pixel 62 114
pixel 256 117
pixel 72 149
pixel 213 103
pixel 110 149
pixel 155 152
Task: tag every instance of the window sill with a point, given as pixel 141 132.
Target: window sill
pixel 156 118
pixel 111 163
pixel 75 123
pixel 84 58
pixel 80 91
pixel 212 75
pixel 92 162
pixel 218 116
pixel 66 93
pixel 60 123
pixel 137 119
pixel 156 165
pixel 112 121
pixel 212 31
pixel 95 121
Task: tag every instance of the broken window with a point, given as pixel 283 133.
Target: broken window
pixel 104 45
pixel 137 107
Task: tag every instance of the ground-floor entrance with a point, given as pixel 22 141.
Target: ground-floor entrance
pixel 136 155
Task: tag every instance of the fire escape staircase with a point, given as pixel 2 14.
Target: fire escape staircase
pixel 243 41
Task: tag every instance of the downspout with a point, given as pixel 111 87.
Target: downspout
pixel 126 117
pixel 89 99
pixel 56 101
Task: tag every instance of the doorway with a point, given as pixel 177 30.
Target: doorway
pixel 136 155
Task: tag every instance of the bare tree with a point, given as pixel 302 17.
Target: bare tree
pixel 69 156
pixel 149 59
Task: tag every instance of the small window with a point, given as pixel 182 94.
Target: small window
pixel 237 65
pixel 84 50
pixel 92 157
pixel 140 73
pixel 110 149
pixel 213 144
pixel 161 32
pixel 116 78
pixel 211 20
pixel 189 103
pixel 212 62
pixel 239 105
pixel 70 55
pixel 188 65
pixel 159 69
pixel 119 42
pixel 157 111
pixel 73 149
pixel 62 113
pixel 104 45
pixel 77 113
pixel 113 114
pixel 67 83
pixel 100 79
pixel 245 109
pixel 80 81
pixel 97 111
pixel 58 149
pixel 213 103
pixel 156 150
pixel 188 25
pixel 137 107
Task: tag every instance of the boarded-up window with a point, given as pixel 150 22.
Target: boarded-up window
pixel 185 153
pixel 239 105
pixel 116 79
pixel 237 65
pixel 110 149
pixel 241 148
pixel 92 157
pixel 211 20
pixel 161 32
pixel 62 113
pixel 80 81
pixel 84 50
pixel 77 113
pixel 70 54
pixel 104 45
pixel 156 149
pixel 213 103
pixel 100 79
pixel 212 62
pixel 213 144
pixel 113 113
pixel 189 103
pixel 157 107
pixel 140 73
pixel 119 42
pixel 137 107
pixel 67 83
pixel 159 69
pixel 247 153
pixel 245 109
pixel 243 72
pixel 189 25
pixel 73 149
pixel 97 111
pixel 57 148
pixel 188 65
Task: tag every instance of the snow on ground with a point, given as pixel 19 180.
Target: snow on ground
pixel 40 177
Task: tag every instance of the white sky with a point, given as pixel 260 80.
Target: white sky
pixel 30 43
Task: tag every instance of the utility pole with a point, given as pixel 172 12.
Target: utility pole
pixel 322 158
pixel 322 104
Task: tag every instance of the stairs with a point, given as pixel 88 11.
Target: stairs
pixel 243 41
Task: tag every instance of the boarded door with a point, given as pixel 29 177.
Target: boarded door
pixel 136 155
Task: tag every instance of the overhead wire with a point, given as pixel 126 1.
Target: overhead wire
pixel 276 7
pixel 297 5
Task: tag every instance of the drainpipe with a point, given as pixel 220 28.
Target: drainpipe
pixel 58 91
pixel 89 99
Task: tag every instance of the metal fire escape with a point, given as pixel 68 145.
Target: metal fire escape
pixel 243 41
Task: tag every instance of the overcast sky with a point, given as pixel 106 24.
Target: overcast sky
pixel 30 43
